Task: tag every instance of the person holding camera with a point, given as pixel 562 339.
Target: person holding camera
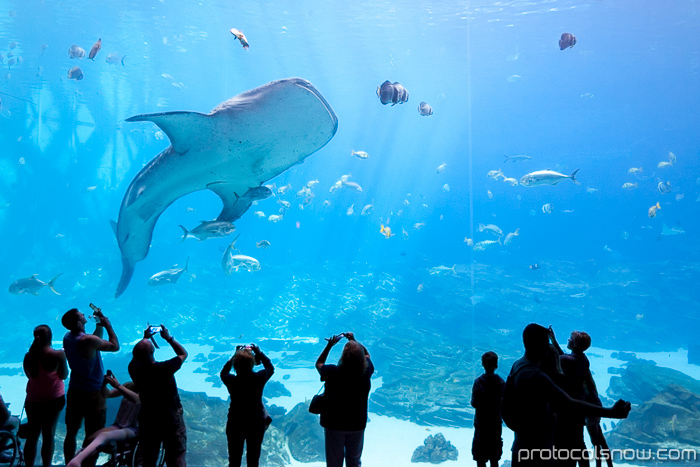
pixel 125 424
pixel 85 399
pixel 347 386
pixel 161 418
pixel 46 369
pixel 247 417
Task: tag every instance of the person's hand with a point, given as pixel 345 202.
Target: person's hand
pixel 350 336
pixel 621 409
pixel 164 333
pixel 551 333
pixel 334 339
pixel 254 348
pixel 112 381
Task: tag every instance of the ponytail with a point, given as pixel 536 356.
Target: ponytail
pixel 42 338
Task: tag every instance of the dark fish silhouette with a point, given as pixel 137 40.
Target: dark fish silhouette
pixel 392 93
pixel 95 48
pixel 567 40
pixel 75 73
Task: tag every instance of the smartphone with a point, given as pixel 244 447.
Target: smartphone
pixel 110 374
pixel 94 308
pixel 155 329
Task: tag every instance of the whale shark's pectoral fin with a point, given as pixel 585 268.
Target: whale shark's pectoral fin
pixel 234 205
pixel 127 272
pixel 181 127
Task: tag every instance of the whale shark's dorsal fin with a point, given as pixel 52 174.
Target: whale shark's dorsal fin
pixel 180 127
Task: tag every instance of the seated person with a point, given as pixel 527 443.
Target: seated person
pixel 125 424
pixel 7 421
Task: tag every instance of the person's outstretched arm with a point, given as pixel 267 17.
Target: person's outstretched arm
pixel 553 338
pixel 321 360
pixel 177 347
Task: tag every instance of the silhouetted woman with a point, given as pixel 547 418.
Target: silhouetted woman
pixel 247 417
pixel 46 369
pixel 344 416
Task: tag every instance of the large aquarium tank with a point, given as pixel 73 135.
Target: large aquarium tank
pixel 439 175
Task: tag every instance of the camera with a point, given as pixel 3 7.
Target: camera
pixel 155 329
pixel 110 374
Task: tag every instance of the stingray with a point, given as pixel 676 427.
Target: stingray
pixel 242 143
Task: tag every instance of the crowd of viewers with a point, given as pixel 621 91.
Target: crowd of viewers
pixel 547 400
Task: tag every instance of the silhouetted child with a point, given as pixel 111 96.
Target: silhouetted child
pixel 486 399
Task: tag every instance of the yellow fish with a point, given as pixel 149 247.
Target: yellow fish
pixel 653 209
pixel 386 231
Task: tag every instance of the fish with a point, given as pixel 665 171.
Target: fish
pixel 664 187
pixel 303 192
pixel 630 186
pixel 442 270
pixel 31 285
pixel 262 244
pixel 491 228
pixel 509 238
pixel 241 37
pixel 275 218
pixel 350 210
pixel 75 73
pixel 516 158
pixel 634 170
pixel 308 199
pixel 326 203
pixel 489 194
pixel 392 93
pixel 547 177
pixel 13 45
pixel 534 267
pixel 441 168
pixel 671 157
pixel 283 189
pixel 680 196
pixel 673 422
pixel 420 288
pixel 231 151
pixel 675 230
pixel 653 209
pixel 94 49
pixel 259 214
pixel 209 229
pixel 514 78
pixel 344 178
pixel 386 231
pixel 113 59
pixel 512 181
pixel 664 164
pixel 336 185
pixel 367 210
pixel 418 225
pixel 353 186
pixel 169 276
pixel 284 204
pixel 566 41
pixel 485 244
pixel 404 233
pixel 591 190
pixel 624 235
pixel 445 187
pixel 232 263
pixel 311 183
pixel 468 241
pixel 547 208
pixel 360 154
pixel 494 174
pixel 76 52
pixel 424 109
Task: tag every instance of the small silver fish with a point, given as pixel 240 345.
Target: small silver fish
pixel 441 168
pixel 113 59
pixel 547 177
pixel 169 276
pixel 262 244
pixel 31 285
pixel 76 52
pixel 209 229
pixel 424 109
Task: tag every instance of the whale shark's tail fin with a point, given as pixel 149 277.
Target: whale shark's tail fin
pixel 51 282
pixel 127 272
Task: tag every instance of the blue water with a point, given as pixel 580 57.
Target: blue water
pixel 624 96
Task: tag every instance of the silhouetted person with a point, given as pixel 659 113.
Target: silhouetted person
pixel 85 399
pixel 347 387
pixel 531 398
pixel 247 417
pixel 46 369
pixel 581 386
pixel 161 418
pixel 486 399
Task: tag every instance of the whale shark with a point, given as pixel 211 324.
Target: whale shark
pixel 242 143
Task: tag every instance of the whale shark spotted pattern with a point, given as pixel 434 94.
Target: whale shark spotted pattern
pixel 242 143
